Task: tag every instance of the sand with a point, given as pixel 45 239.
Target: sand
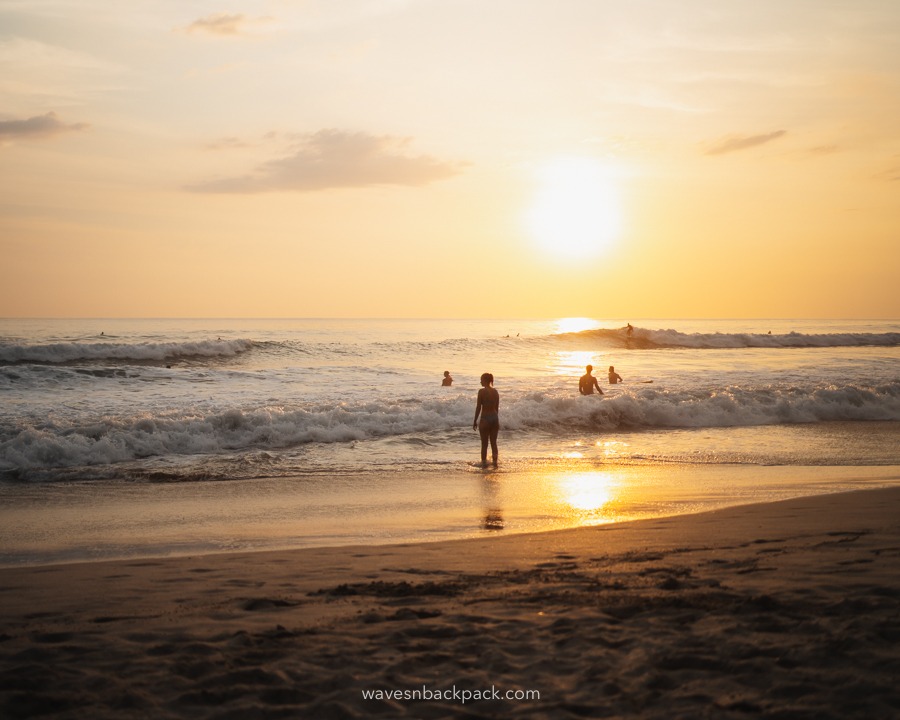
pixel 782 610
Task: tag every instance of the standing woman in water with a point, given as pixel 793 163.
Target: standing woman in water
pixel 488 406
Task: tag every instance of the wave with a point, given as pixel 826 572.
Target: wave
pixel 643 338
pixel 108 441
pixel 147 352
pixel 65 353
pixel 721 407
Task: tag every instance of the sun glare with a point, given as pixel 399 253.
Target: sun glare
pixel 570 362
pixel 576 210
pixel 575 324
pixel 587 491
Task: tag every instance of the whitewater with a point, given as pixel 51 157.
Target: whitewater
pixel 120 404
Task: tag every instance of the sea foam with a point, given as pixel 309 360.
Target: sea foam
pixel 666 338
pixel 110 440
pixel 71 352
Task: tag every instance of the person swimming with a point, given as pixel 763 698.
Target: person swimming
pixel 447 381
pixel 487 406
pixel 588 382
pixel 614 377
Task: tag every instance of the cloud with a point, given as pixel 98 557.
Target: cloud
pixel 228 143
pixel 37 126
pixel 734 144
pixel 222 24
pixel 335 159
pixel 824 150
pixel 890 175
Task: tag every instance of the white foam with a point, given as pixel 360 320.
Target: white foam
pixel 109 440
pixel 668 338
pixel 68 352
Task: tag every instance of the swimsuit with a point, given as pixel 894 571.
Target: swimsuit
pixel 490 418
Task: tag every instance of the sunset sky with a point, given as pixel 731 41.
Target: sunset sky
pixel 450 158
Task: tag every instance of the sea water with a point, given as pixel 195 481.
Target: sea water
pixel 131 437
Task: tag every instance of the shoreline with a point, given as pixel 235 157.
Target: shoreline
pixel 107 520
pixel 759 609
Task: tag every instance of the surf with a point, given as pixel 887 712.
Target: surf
pixel 62 353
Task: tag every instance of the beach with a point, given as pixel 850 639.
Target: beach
pixel 275 280
pixel 287 519
pixel 777 610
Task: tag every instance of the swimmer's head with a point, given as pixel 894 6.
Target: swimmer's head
pixel 588 367
pixel 487 378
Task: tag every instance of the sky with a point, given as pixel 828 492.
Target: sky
pixel 450 158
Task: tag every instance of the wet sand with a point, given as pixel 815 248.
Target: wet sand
pixel 779 610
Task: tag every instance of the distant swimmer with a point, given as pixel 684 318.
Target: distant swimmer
pixel 614 377
pixel 488 407
pixel 447 381
pixel 588 382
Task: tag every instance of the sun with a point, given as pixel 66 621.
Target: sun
pixel 575 213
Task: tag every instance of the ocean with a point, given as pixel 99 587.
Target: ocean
pixel 134 438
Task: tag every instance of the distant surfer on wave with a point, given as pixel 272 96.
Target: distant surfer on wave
pixel 488 407
pixel 587 382
pixel 614 377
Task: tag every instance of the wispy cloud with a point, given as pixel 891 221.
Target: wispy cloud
pixel 228 143
pixel 824 150
pixel 743 142
pixel 335 159
pixel 892 174
pixel 223 24
pixel 39 126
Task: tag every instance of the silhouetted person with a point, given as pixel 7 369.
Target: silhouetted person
pixel 614 377
pixel 629 331
pixel 447 381
pixel 588 382
pixel 488 407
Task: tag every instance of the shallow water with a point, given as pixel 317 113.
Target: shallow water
pixel 107 520
pixel 159 436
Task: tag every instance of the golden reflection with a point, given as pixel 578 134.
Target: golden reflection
pixel 587 492
pixel 575 324
pixel 492 512
pixel 612 448
pixel 573 362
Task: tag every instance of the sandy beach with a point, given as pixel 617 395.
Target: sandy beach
pixel 781 610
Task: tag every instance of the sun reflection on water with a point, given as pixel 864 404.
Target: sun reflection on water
pixel 612 448
pixel 587 494
pixel 573 362
pixel 575 324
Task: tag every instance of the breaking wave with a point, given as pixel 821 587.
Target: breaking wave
pixel 75 352
pixel 80 352
pixel 652 339
pixel 110 440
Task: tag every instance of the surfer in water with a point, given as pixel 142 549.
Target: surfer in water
pixel 587 382
pixel 488 407
pixel 447 381
pixel 614 377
